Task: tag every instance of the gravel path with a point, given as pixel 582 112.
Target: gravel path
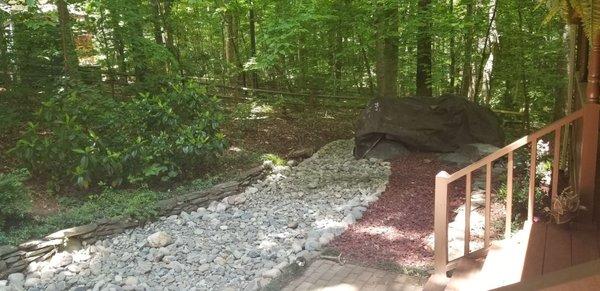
pixel 396 228
pixel 239 243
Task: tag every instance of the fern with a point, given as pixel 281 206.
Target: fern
pixel 588 10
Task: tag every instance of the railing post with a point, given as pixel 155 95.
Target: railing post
pixel 532 171
pixel 488 204
pixel 509 194
pixel 467 247
pixel 441 222
pixel 589 151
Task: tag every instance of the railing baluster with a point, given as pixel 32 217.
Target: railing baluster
pixel 532 167
pixel 488 202
pixel 468 214
pixel 509 194
pixel 441 222
pixel 555 166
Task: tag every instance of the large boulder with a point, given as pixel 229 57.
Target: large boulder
pixel 426 124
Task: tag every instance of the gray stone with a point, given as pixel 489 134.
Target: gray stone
pixel 61 259
pixel 73 231
pixel 131 281
pixel 159 239
pixel 387 150
pixel 273 273
pixel 16 279
pixel 357 212
pixel 326 238
pixel 311 245
pixel 6 250
pixel 31 282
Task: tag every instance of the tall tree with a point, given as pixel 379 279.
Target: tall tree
pixel 71 62
pixel 156 21
pixel 487 55
pixel 424 62
pixel 387 18
pixel 467 70
pixel 452 68
pixel 4 58
pixel 252 34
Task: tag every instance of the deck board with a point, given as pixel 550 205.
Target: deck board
pixel 584 246
pixel 537 254
pixel 534 255
pixel 465 275
pixel 558 249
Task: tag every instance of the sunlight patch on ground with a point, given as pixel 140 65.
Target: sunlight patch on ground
pixel 328 223
pixel 340 287
pixel 387 232
pixel 267 244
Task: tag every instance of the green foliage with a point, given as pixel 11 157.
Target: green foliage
pixel 521 197
pixel 88 137
pixel 110 203
pixel 275 159
pixel 14 197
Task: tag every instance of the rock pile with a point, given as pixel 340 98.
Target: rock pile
pixel 240 242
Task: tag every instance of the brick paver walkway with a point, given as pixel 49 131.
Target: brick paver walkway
pixel 328 275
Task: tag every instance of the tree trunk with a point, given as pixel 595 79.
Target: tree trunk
pixel 169 37
pixel 424 64
pixel 487 56
pixel 252 28
pixel 387 50
pixel 467 73
pixel 4 61
pixel 71 62
pixel 230 30
pixel 452 68
pixel 118 43
pixel 156 21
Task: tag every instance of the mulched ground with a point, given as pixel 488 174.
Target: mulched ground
pixel 394 229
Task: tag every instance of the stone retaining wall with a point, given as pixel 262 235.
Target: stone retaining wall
pixel 17 258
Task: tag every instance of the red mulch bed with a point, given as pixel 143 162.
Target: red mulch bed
pixel 395 228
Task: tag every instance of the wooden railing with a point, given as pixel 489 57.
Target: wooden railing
pixel 589 115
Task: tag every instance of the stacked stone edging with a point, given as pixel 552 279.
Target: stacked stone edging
pixel 16 258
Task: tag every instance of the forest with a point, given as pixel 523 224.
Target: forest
pixel 108 105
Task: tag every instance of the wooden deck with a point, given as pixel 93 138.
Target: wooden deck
pixel 551 248
pixel 535 254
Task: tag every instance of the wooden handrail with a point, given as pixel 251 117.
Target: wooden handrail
pixel 443 179
pixel 515 145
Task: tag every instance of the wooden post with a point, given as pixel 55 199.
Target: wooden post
pixel 488 205
pixel 555 166
pixel 589 152
pixel 468 214
pixel 509 194
pixel 532 168
pixel 593 86
pixel 589 132
pixel 441 222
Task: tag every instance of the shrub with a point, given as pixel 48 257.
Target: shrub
pixel 90 138
pixel 14 197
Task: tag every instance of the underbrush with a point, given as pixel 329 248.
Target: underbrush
pixel 140 204
pixel 83 136
pixel 14 197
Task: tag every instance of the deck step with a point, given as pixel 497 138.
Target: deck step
pixel 503 264
pixel 465 276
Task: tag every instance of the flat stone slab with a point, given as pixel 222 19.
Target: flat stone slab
pixel 329 275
